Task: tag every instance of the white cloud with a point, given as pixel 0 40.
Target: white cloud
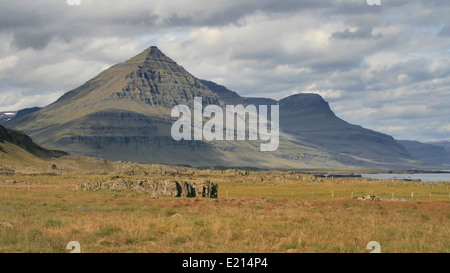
pixel 18 99
pixel 8 62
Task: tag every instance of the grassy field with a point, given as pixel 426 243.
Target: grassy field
pixel 267 212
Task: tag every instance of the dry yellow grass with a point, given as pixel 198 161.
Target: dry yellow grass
pixel 45 213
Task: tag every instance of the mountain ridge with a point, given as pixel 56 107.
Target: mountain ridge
pixel 124 114
pixel 23 141
pixel 427 152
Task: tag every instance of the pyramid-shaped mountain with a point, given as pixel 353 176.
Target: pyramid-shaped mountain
pixel 150 78
pixel 124 113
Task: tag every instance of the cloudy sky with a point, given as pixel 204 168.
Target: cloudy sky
pixel 384 67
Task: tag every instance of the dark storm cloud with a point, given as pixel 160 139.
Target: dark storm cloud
pixel 385 67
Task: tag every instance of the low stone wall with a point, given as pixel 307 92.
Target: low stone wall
pixel 6 171
pixel 376 198
pixel 157 188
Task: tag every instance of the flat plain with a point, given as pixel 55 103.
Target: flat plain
pixel 256 211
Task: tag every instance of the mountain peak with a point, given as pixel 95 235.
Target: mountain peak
pixel 306 102
pixel 154 52
pixel 149 83
pixel 305 96
pixel 149 55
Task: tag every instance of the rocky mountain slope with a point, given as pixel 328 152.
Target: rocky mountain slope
pixel 124 114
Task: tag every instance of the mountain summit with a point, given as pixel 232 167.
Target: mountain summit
pixel 150 78
pixel 124 113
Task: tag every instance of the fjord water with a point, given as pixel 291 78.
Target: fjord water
pixel 424 177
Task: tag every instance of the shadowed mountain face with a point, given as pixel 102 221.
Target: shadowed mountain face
pixel 23 141
pixel 430 153
pixel 124 114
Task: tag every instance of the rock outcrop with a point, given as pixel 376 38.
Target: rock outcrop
pixel 369 198
pixel 6 171
pixel 376 198
pixel 157 188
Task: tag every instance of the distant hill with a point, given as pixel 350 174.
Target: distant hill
pixel 430 153
pixel 124 114
pixel 6 116
pixel 9 116
pixel 310 120
pixel 445 144
pixel 24 112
